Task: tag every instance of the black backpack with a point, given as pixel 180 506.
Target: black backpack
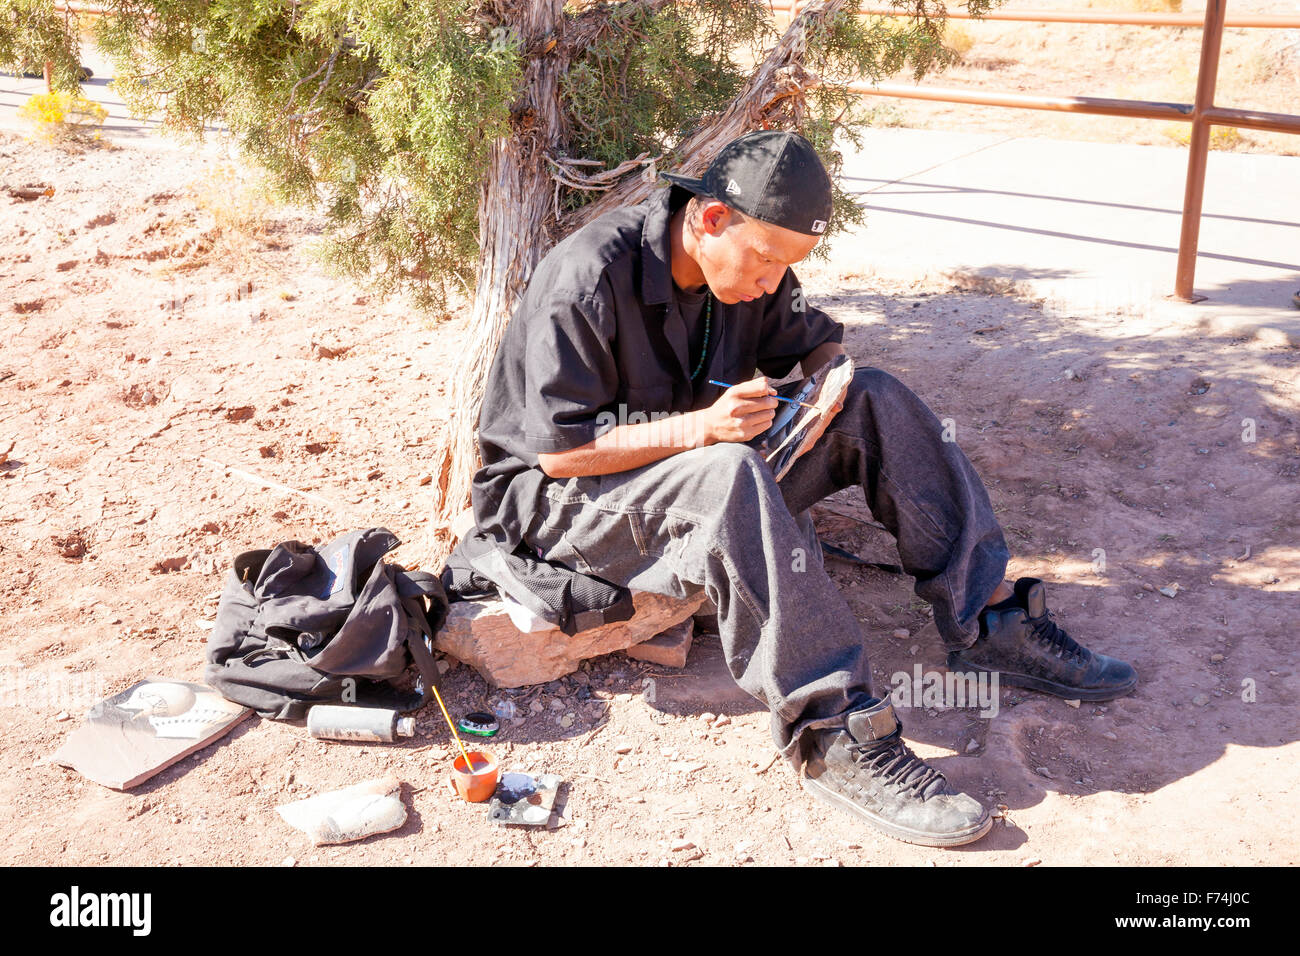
pixel 300 625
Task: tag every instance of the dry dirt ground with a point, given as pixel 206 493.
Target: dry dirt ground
pixel 164 338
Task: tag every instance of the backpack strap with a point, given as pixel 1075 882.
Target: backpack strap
pixel 833 552
pixel 414 588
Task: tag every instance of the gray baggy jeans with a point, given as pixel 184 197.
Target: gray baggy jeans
pixel 715 518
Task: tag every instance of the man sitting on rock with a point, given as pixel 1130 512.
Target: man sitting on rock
pixel 605 448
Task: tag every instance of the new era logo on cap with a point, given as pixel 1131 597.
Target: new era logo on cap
pixel 784 180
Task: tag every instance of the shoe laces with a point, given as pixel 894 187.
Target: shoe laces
pixel 1048 632
pixel 895 763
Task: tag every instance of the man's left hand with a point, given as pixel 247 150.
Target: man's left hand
pixel 818 359
pixel 817 428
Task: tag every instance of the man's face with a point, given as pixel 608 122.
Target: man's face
pixel 743 258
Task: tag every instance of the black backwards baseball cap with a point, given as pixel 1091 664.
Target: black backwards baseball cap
pixel 774 176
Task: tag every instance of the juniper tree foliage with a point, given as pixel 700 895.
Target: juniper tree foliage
pixel 32 34
pixel 380 111
pixel 383 112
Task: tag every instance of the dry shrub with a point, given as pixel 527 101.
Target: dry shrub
pixel 1142 6
pixel 965 281
pixel 64 119
pixel 237 210
pixel 887 114
pixel 958 38
pixel 1225 138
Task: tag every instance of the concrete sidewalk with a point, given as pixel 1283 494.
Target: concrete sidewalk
pixel 1089 226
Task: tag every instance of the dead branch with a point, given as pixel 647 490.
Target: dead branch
pixel 778 85
pixel 268 483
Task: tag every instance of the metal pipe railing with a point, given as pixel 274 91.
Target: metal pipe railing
pixel 1253 119
pixel 1138 109
pixel 1198 151
pixel 1107 17
pixel 1101 106
pixel 1116 17
pixel 1202 113
pixel 88 8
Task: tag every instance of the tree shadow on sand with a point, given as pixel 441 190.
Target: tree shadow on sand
pixel 1122 457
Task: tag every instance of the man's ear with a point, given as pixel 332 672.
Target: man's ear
pixel 715 216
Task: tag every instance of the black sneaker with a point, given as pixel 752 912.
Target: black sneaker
pixel 867 770
pixel 1028 649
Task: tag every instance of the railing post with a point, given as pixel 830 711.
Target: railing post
pixel 1198 147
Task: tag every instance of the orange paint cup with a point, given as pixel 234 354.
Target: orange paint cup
pixel 476 785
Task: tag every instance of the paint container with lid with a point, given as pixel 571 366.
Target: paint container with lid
pixel 372 724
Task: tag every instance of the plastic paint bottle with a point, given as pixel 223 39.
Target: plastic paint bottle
pixel 331 722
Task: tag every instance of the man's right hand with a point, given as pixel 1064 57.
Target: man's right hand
pixel 743 411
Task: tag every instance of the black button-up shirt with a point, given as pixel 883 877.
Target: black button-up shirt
pixel 598 338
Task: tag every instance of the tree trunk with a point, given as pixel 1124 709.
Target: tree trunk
pixel 514 212
pixel 517 220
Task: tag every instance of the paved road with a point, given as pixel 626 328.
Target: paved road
pixel 1090 225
